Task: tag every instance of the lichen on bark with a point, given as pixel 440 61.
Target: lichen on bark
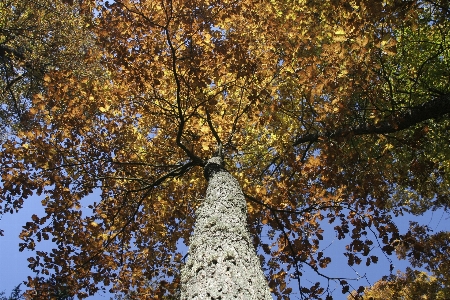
pixel 222 262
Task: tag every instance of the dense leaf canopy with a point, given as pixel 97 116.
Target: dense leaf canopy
pixel 328 112
pixel 37 37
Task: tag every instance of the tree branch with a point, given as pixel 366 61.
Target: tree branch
pixel 211 126
pixel 181 116
pixel 436 108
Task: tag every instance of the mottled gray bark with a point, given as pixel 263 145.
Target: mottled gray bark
pixel 222 262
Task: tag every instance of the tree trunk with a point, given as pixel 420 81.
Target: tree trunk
pixel 222 262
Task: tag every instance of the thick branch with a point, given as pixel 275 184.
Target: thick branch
pixel 181 117
pixel 432 109
pixel 211 126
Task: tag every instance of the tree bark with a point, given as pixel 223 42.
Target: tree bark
pixel 222 262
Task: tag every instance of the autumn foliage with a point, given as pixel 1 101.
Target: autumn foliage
pixel 329 112
pixel 409 285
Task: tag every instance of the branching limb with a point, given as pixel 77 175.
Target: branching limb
pixel 436 108
pixel 139 200
pixel 297 212
pixel 211 126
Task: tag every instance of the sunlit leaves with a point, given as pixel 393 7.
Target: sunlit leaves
pixel 411 284
pixel 333 117
pixel 33 42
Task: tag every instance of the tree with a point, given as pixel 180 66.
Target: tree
pixel 57 292
pixel 222 262
pixel 430 252
pixel 16 294
pixel 410 285
pixel 33 42
pixel 327 112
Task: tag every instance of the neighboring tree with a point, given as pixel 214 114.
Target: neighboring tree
pixel 430 251
pixel 411 285
pixel 56 292
pixel 33 43
pixel 327 112
pixel 16 294
pixel 51 288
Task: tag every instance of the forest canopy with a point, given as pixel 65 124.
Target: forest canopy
pixel 331 115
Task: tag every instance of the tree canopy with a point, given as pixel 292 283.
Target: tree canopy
pixel 37 37
pixel 328 112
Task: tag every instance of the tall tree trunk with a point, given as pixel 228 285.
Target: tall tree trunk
pixel 222 262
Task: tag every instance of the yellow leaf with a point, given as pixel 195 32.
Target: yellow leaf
pixel 205 146
pixel 204 129
pixel 103 109
pixel 339 32
pixel 339 35
pixel 47 78
pixel 388 147
pixel 339 38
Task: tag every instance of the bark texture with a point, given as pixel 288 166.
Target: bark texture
pixel 222 262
